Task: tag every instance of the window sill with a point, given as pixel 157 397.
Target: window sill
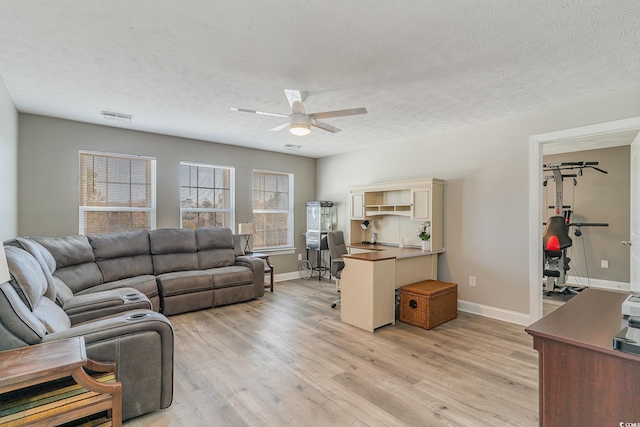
pixel 276 251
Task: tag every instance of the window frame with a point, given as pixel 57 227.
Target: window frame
pixel 290 211
pixel 82 209
pixel 232 192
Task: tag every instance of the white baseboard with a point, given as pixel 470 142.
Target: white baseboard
pixel 597 283
pixel 494 313
pixel 281 277
pixel 466 306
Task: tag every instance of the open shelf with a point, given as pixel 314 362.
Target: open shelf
pixel 373 210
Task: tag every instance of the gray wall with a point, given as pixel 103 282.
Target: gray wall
pixel 8 165
pixel 486 171
pixel 598 198
pixel 48 174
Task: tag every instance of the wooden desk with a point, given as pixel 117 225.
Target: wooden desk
pixel 583 381
pixel 43 363
pixel 268 266
pixel 369 280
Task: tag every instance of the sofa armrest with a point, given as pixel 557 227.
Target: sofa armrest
pixel 85 307
pixel 257 266
pixel 140 343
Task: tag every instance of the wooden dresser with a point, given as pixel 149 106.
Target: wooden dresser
pixel 583 381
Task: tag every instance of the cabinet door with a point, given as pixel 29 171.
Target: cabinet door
pixel 421 204
pixel 357 205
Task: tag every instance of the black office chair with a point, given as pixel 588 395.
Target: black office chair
pixel 337 249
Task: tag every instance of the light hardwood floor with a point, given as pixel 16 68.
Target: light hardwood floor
pixel 287 360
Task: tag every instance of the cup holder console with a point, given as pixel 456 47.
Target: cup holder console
pixel 138 316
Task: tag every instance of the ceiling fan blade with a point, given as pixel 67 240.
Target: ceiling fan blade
pixel 295 98
pixel 338 113
pixel 324 126
pixel 282 126
pixel 263 113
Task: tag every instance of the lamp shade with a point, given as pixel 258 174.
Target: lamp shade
pixel 4 267
pixel 247 228
pixel 364 225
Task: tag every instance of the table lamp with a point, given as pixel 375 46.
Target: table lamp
pixel 247 229
pixel 4 267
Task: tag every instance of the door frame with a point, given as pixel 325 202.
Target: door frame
pixel 536 143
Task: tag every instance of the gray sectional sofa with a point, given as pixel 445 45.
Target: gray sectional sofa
pixel 178 270
pixel 109 288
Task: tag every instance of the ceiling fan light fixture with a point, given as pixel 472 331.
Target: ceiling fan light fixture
pixel 300 129
pixel 300 124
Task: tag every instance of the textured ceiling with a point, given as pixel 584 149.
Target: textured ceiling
pixel 418 66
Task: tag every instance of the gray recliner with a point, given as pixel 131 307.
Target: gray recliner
pixel 337 249
pixel 140 342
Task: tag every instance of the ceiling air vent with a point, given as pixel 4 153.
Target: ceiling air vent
pixel 293 147
pixel 116 117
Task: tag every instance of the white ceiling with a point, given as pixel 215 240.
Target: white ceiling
pixel 418 66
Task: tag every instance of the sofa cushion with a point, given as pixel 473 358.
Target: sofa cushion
pixel 231 276
pixel 81 276
pixel 183 282
pixel 52 317
pixel 168 263
pixel 215 247
pixel 27 277
pixel 125 267
pixel 116 245
pixel 172 240
pixel 213 258
pixel 75 264
pixel 69 250
pixel 46 262
pixel 214 238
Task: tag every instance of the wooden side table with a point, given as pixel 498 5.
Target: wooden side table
pixel 268 268
pixel 33 393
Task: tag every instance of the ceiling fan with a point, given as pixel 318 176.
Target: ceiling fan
pixel 300 122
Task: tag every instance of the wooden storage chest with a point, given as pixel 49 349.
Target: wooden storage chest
pixel 429 303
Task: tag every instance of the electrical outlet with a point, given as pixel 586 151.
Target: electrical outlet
pixel 299 257
pixel 472 280
pixel 604 263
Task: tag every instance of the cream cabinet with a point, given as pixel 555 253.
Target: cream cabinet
pixel 421 204
pixel 357 205
pixel 396 209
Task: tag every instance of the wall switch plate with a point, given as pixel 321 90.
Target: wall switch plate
pixel 472 280
pixel 299 257
pixel 604 263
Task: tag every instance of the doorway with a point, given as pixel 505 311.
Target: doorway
pixel 537 142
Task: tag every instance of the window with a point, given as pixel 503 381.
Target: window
pixel 206 195
pixel 117 193
pixel 273 209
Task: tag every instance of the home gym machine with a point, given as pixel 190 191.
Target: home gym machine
pixel 556 238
